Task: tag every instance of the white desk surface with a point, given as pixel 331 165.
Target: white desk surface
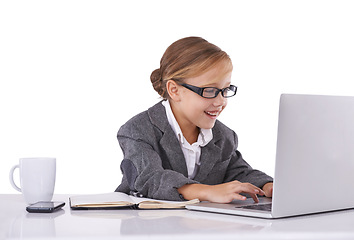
pixel 17 223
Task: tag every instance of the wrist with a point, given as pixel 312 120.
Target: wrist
pixel 193 191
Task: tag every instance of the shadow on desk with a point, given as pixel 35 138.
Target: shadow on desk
pixel 162 222
pixel 34 225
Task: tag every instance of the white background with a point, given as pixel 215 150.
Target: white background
pixel 72 72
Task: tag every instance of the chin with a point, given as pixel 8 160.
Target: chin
pixel 208 125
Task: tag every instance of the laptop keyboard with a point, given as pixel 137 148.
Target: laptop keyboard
pixel 262 207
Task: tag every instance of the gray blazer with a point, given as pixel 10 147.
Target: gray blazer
pixel 154 163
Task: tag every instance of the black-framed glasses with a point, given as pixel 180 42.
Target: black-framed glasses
pixel 212 92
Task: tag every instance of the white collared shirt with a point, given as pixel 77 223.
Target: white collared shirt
pixel 191 152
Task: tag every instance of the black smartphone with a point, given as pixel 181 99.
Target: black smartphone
pixel 44 207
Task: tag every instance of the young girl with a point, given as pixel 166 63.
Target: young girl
pixel 177 149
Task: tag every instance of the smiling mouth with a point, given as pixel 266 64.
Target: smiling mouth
pixel 212 114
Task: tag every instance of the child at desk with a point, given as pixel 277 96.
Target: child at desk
pixel 177 149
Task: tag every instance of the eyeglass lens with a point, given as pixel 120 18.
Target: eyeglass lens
pixel 213 92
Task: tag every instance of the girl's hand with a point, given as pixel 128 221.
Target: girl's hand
pixel 268 189
pixel 226 192
pixel 221 193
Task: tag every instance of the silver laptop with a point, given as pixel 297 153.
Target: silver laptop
pixel 314 169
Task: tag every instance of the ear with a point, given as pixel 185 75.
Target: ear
pixel 173 90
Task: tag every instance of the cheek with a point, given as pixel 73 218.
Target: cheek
pixel 197 109
pixel 225 101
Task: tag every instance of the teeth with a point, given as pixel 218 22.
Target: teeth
pixel 212 113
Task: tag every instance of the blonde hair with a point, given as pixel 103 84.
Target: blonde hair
pixel 186 58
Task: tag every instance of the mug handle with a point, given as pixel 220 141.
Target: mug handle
pixel 11 176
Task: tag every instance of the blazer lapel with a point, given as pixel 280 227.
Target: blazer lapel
pixel 210 154
pixel 170 144
pixel 169 141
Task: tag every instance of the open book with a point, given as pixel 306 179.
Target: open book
pixel 116 200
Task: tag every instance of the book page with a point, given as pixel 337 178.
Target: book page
pixel 148 203
pixel 166 204
pixel 119 199
pixel 137 200
pixel 113 198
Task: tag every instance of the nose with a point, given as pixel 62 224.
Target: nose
pixel 219 100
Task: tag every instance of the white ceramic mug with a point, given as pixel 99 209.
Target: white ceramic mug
pixel 37 178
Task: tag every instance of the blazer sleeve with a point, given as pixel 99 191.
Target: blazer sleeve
pixel 239 169
pixel 143 169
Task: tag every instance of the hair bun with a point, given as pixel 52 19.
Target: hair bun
pixel 156 75
pixel 156 80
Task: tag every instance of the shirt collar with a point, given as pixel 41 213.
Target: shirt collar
pixel 205 135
